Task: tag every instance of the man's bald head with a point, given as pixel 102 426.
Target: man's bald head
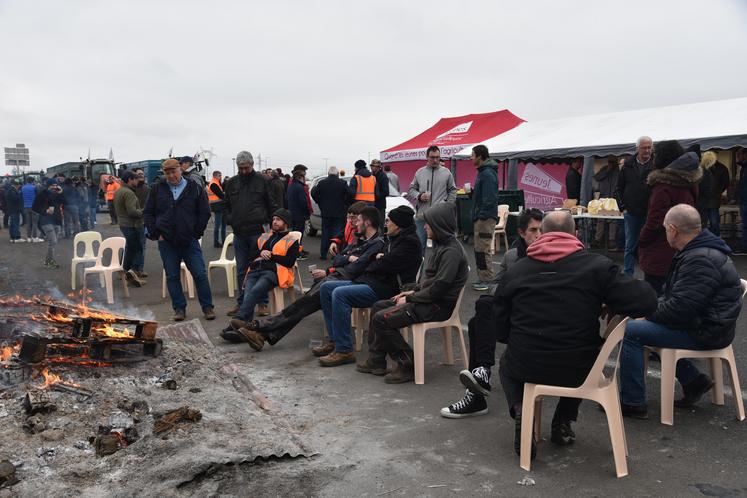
pixel 558 221
pixel 685 217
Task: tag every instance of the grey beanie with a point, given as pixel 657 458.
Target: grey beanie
pixel 244 157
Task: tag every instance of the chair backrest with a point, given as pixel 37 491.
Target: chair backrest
pixel 502 208
pixel 502 217
pixel 226 244
pixel 296 236
pixel 113 244
pixel 744 288
pixel 596 374
pixel 458 304
pixel 87 239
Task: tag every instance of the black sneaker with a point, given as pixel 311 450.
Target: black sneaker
pixel 694 391
pixel 562 434
pixel 517 438
pixel 634 411
pixel 471 405
pixel 477 381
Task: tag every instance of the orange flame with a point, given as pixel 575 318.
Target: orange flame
pixel 109 331
pixel 7 351
pixel 50 379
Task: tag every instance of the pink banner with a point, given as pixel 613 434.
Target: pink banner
pixel 543 184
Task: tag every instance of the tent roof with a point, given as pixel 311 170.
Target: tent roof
pixel 453 134
pixel 716 124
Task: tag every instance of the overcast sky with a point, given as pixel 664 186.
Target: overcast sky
pixel 306 80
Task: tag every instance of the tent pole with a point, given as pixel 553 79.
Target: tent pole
pixel 586 180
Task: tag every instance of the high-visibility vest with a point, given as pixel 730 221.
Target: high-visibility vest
pixel 211 196
pixel 285 274
pixel 110 189
pixel 366 188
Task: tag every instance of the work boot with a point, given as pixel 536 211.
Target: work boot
pixel 693 391
pixel 562 434
pixel 263 310
pixel 375 364
pixel 337 358
pixel 180 315
pixel 237 323
pixel 471 405
pixel 323 350
pixel 230 335
pixel 209 313
pixel 140 273
pixel 634 411
pixel 233 310
pixel 517 437
pixel 477 380
pixel 133 278
pixel 252 337
pixel 403 371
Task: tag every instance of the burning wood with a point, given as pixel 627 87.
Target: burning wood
pixel 171 419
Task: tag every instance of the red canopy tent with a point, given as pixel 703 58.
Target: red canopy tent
pixel 451 135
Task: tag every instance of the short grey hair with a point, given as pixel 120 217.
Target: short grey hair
pixel 332 170
pixel 685 217
pixel 641 139
pixel 244 157
pixel 558 221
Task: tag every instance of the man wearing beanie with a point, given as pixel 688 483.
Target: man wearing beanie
pixel 396 264
pixel 48 205
pixel 363 185
pixel 278 252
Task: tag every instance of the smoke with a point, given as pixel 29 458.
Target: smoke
pixel 53 292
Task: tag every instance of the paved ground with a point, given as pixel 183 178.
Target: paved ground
pixel 374 439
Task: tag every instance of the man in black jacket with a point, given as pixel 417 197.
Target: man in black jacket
pixel 632 197
pixel 249 202
pixel 382 182
pixel 547 309
pixel 176 214
pixel 332 196
pixel 431 300
pixel 701 303
pixel 397 263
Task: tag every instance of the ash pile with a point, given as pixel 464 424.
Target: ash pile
pixel 96 404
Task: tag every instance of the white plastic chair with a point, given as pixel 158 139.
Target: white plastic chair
pixel 596 387
pixel 500 228
pixel 229 265
pixel 88 256
pixel 115 245
pixel 418 339
pixel 187 281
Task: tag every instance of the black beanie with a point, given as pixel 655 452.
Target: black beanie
pixel 402 216
pixel 284 215
pixel 360 163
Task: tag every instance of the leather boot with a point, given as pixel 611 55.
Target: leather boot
pixel 403 371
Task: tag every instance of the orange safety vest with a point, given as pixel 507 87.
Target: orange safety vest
pixel 110 189
pixel 211 196
pixel 285 274
pixel 366 188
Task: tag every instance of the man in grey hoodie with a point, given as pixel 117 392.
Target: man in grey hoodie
pixel 431 185
pixel 431 300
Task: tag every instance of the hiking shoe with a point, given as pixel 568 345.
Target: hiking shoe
pixel 517 438
pixel 480 286
pixel 141 274
pixel 471 405
pixel 230 335
pixel 337 358
pixel 252 337
pixel 180 315
pixel 693 391
pixel 324 349
pixel 373 365
pixel 634 411
pixel 263 310
pixel 477 381
pixel 51 264
pixel 562 434
pixel 209 313
pixel 133 278
pixel 237 323
pixel 233 310
pixel 401 373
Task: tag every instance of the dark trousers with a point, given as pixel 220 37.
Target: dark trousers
pixel 330 228
pixel 219 228
pixel 133 246
pixel 275 327
pixel 656 282
pixel 482 334
pixel 565 411
pixel 112 212
pixel 299 226
pixel 383 333
pixel 245 248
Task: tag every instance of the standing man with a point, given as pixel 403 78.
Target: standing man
pixel 431 185
pixel 606 180
pixel 484 214
pixel 112 185
pixel 130 216
pixel 215 197
pixel 82 187
pixel 393 178
pixel 93 201
pixel 720 183
pixel 28 193
pixel 70 208
pixel 141 191
pixel 741 160
pixel 382 182
pixel 249 203
pixel 48 205
pixel 298 204
pixel 331 195
pixel 14 208
pixel 187 164
pixel 363 185
pixel 573 180
pixel 277 182
pixel 632 197
pixel 176 215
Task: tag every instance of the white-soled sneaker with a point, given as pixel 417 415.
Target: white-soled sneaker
pixel 471 405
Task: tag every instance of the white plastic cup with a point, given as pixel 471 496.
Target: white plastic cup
pixel 467 187
pixel 521 208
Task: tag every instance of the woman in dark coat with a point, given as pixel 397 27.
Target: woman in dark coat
pixel 674 181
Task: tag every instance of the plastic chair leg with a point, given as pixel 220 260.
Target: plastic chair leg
pixel 717 374
pixel 74 268
pixel 617 437
pixel 448 349
pixel 537 426
pixel 735 387
pixel 190 284
pixel 465 359
pixel 276 300
pixel 527 427
pixel 124 284
pixel 668 363
pixel 418 347
pixel 230 280
pixel 109 287
pixel 163 285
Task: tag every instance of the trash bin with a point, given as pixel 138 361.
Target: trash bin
pixel 464 212
pixel 514 199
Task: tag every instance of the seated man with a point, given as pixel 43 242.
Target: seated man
pixel 547 309
pixel 481 327
pixel 348 265
pixel 343 239
pixel 397 263
pixel 432 299
pixel 698 310
pixel 273 267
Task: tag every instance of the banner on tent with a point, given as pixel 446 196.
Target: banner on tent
pixel 543 184
pixel 416 154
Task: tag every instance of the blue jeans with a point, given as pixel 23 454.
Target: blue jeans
pixel 420 229
pixel 14 221
pixel 245 247
pixel 639 333
pixel 92 209
pixel 338 298
pixel 219 228
pixel 633 225
pixel 330 228
pixel 714 221
pixel 138 262
pixel 133 246
pixel 172 257
pixel 258 283
pixel 620 243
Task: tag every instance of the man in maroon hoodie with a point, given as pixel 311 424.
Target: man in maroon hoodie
pixel 547 309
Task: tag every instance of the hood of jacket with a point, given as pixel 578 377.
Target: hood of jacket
pixel 442 220
pixel 489 163
pixel 365 172
pixel 675 177
pixel 552 246
pixel 706 239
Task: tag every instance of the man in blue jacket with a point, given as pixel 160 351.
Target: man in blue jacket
pixel 176 214
pixel 298 204
pixel 484 214
pixel 332 196
pixel 28 193
pixel 48 205
pixel 699 310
